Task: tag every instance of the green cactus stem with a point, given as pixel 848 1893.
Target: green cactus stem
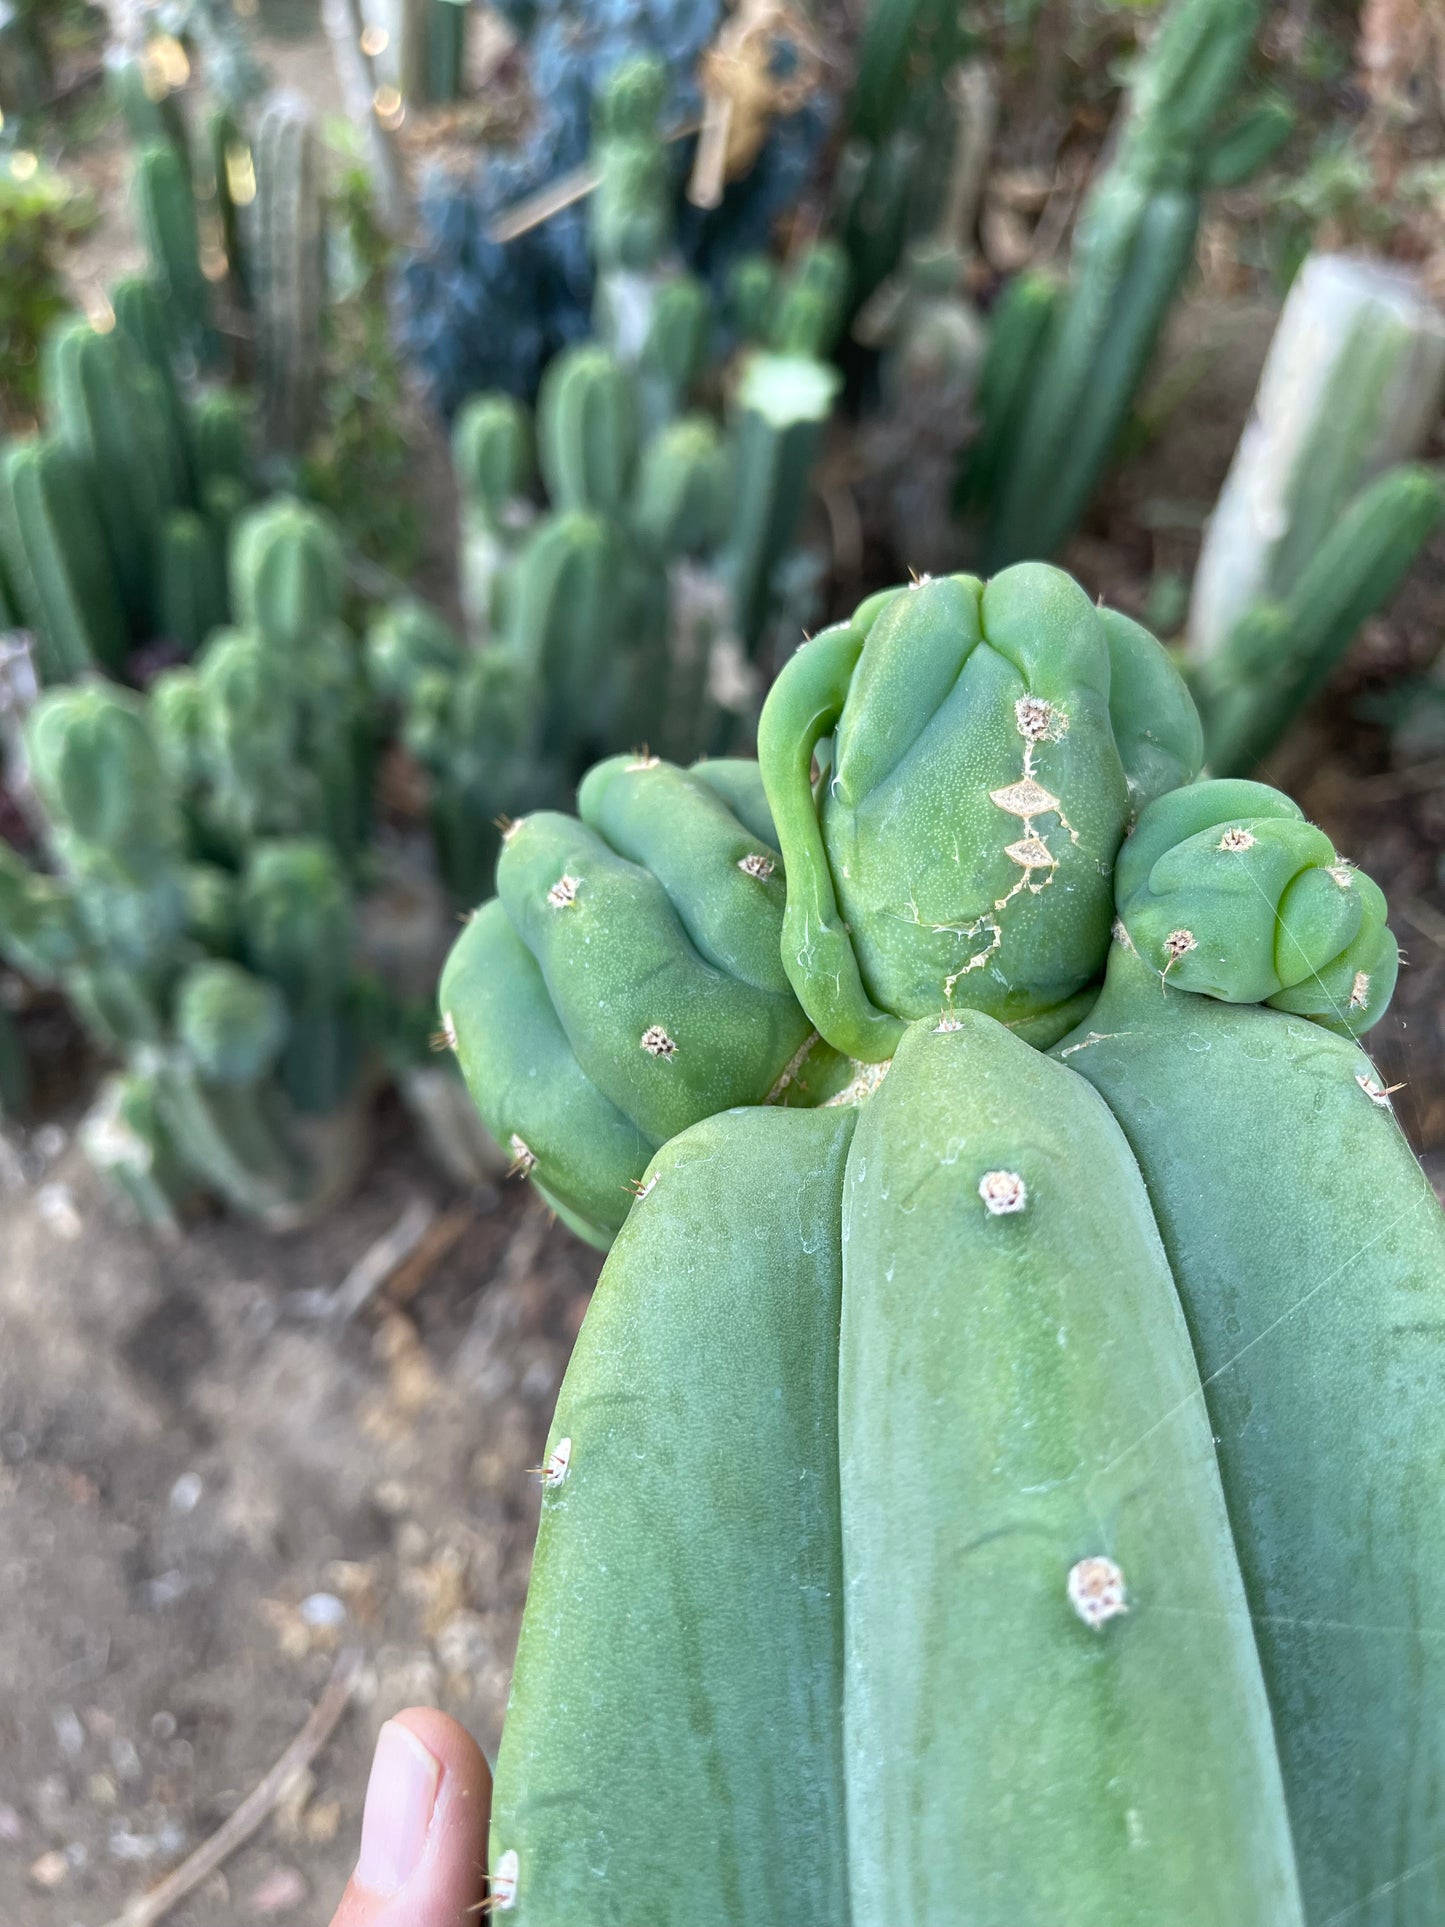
pixel 166 214
pixel 494 462
pixel 1309 1252
pixel 780 409
pixel 125 1140
pixel 286 256
pixel 587 430
pixel 1280 654
pixel 626 981
pixel 192 598
pixel 288 573
pixel 1225 890
pixel 58 562
pixel 109 409
pixel 1134 244
pixel 216 1096
pixel 919 1356
pixel 674 351
pixel 298 923
pixel 992 743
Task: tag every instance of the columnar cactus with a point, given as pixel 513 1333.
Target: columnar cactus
pixel 288 574
pixel 1134 244
pixel 58 561
pixel 587 431
pixel 298 924
pixel 976 1388
pixel 192 569
pixel 287 269
pixel 217 1098
pixel 109 409
pixel 1320 515
pixel 493 460
pixel 166 208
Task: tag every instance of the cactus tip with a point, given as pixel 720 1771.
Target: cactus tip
pixel 1378 1093
pixel 1236 839
pixel 1003 1192
pixel 1097 1592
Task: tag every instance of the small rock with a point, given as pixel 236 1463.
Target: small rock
pixel 124 1758
pixel 464 1646
pixel 323 1822
pixel 323 1611
pixel 56 1206
pixel 49 1870
pixel 49 1141
pixel 186 1493
pixel 281 1890
pixel 392 1497
pixel 101 1790
pixel 163 1726
pixel 69 1733
pixel 12 1827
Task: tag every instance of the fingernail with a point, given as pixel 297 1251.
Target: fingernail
pixel 400 1796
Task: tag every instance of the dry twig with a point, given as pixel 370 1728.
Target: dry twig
pixel 257 1805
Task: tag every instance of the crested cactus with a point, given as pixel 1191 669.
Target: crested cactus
pixel 287 269
pixel 1134 245
pixel 983 1389
pixel 1031 724
pixel 632 958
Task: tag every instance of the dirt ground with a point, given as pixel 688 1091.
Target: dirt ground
pixel 208 1491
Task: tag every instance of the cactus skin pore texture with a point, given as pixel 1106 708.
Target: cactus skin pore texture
pixel 1309 1251
pixel 793 1588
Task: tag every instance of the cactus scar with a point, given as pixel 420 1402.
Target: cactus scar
pixel 563 892
pixel 656 1042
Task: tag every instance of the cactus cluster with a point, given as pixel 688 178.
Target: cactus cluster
pixel 990 1379
pixel 632 611
pixel 114 522
pixel 1065 362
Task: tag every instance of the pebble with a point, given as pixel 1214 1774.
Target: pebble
pixel 69 1732
pixel 12 1827
pixel 56 1206
pixel 323 1610
pixel 281 1890
pixel 186 1493
pixel 49 1870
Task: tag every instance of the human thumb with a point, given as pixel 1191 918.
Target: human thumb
pixel 423 1852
